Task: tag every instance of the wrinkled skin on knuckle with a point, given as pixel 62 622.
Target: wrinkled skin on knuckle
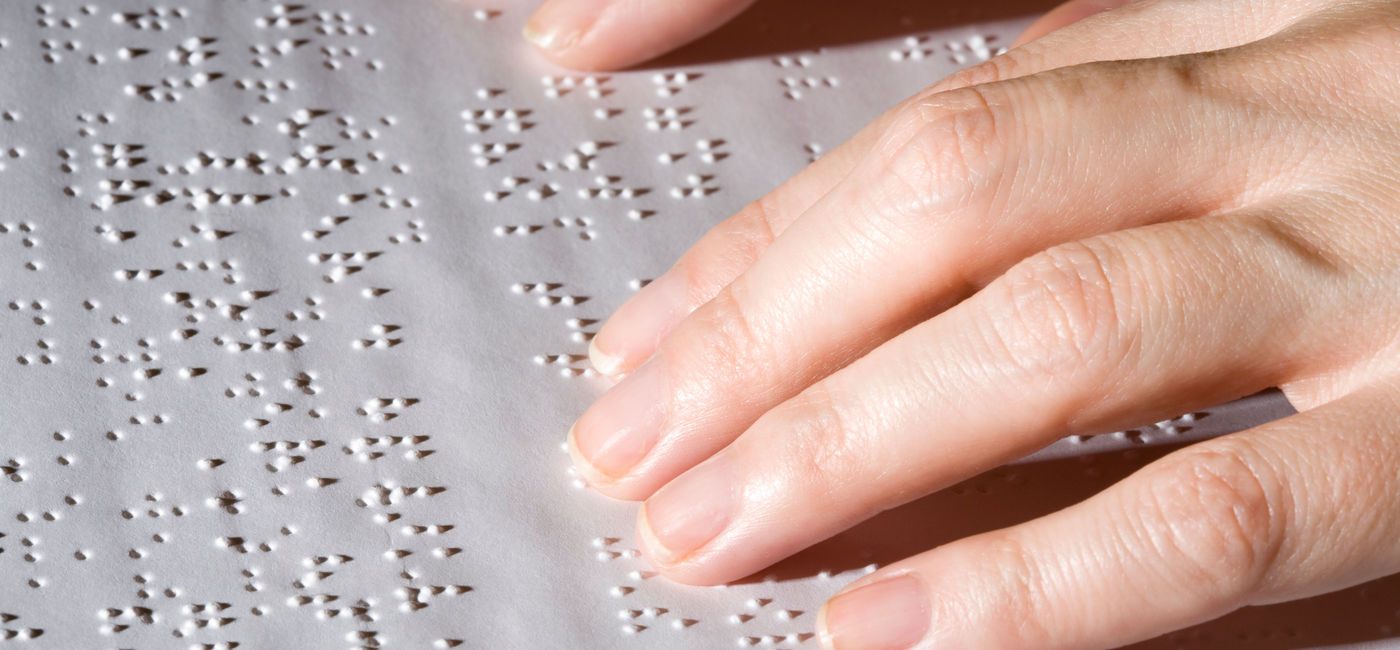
pixel 1213 520
pixel 1345 56
pixel 717 260
pixel 824 452
pixel 713 358
pixel 997 68
pixel 1054 315
pixel 1001 594
pixel 941 156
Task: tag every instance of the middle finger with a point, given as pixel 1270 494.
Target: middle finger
pixel 986 176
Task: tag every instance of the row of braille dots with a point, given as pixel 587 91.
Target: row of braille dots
pixel 793 86
pixel 383 338
pixel 14 466
pixel 976 48
pixel 241 545
pixel 47 18
pixel 43 357
pixel 23 228
pixel 560 86
pixel 193 51
pixel 88 120
pixel 1172 427
pixel 273 409
pixel 582 224
pixel 17 633
pixel 49 516
pixel 53 52
pixel 541 192
pixel 697 186
pixel 635 619
pixel 170 87
pixel 383 409
pixel 122 618
pixel 118 156
pixel 415 234
pixel 416 598
pixel 256 162
pixel 268 90
pixel 156 18
pixel 386 198
pixel 262 53
pixel 368 449
pixel 32 554
pixel 709 152
pixel 479 120
pixel 608 187
pixel 546 292
pixel 198 198
pixel 284 16
pixel 14 152
pixel 570 365
pixel 668 118
pixel 340 23
pixel 316 157
pixel 332 57
pixel 390 494
pixel 32 305
pixel 638 620
pixel 232 311
pixel 581 157
pixel 754 607
pixel 668 84
pixel 146 356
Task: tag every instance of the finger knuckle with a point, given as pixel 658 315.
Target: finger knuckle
pixel 818 434
pixel 1012 580
pixel 730 343
pixel 998 68
pixel 1210 515
pixel 941 154
pixel 1056 313
pixel 731 247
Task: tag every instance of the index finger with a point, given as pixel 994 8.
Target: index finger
pixel 611 34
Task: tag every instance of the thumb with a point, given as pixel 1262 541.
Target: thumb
pixel 610 34
pixel 1064 15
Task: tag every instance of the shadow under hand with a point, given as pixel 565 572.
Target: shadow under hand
pixel 777 26
pixel 1010 495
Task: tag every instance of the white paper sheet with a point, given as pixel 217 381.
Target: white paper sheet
pixel 294 299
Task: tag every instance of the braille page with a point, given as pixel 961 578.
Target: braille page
pixel 294 306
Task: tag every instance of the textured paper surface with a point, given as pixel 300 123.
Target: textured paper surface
pixel 294 301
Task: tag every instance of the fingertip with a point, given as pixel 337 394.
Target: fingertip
pixel 652 549
pixel 609 35
pixel 559 24
pixel 824 634
pixel 685 569
pixel 1065 15
pixel 624 488
pixel 596 478
pixel 606 364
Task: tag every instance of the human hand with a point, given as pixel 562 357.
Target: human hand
pixel 1156 209
pixel 610 34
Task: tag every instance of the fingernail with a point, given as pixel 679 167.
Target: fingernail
pixel 603 362
pixel 891 614
pixel 690 511
pixel 558 24
pixel 620 428
pixel 632 334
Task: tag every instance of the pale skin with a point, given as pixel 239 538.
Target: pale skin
pixel 1137 211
